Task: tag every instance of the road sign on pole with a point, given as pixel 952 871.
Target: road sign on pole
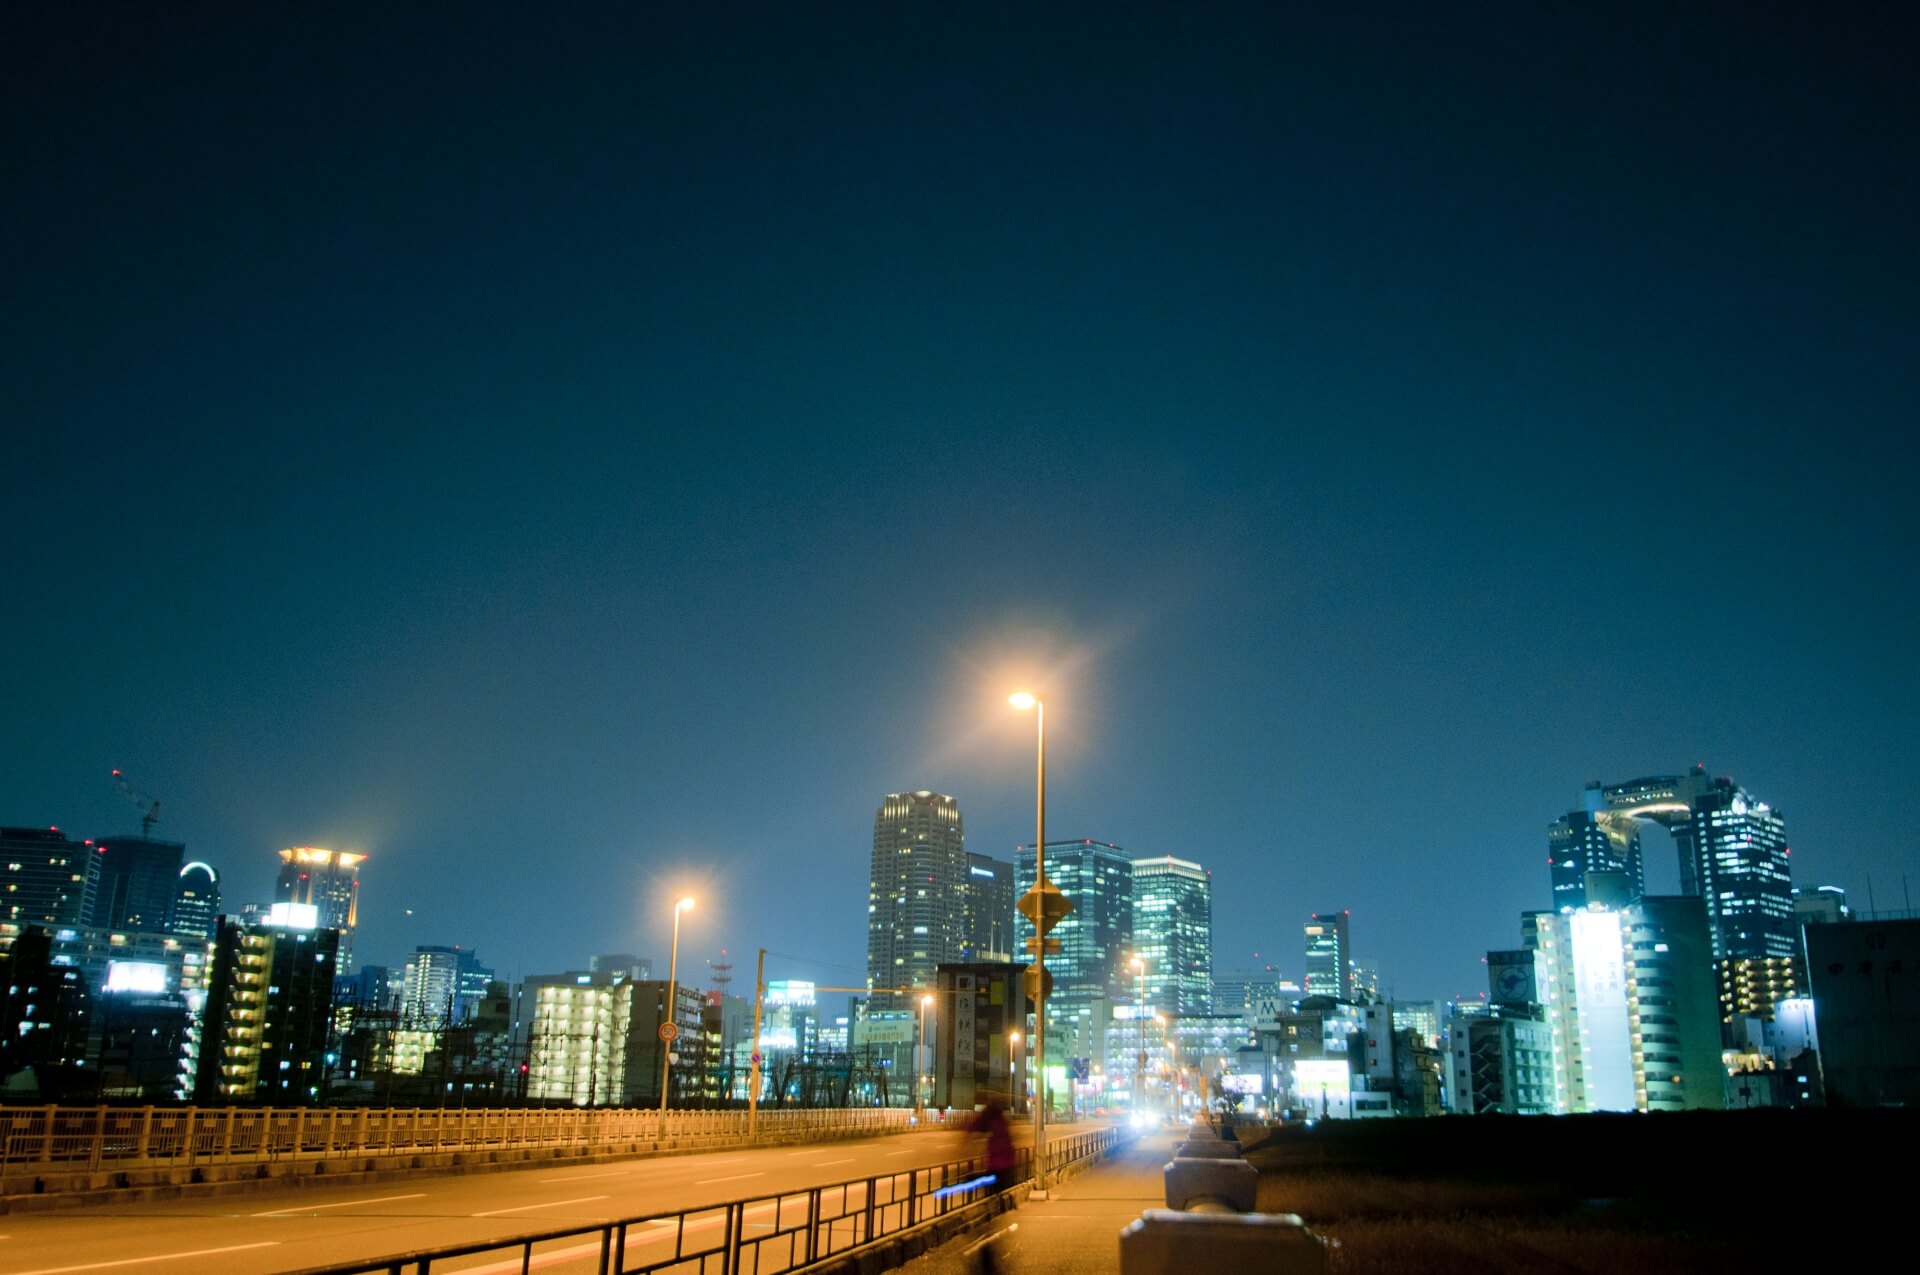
pixel 669 1030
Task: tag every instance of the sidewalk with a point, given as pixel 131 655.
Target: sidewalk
pixel 1077 1230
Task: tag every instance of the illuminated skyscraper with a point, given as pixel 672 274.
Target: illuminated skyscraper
pixel 1734 857
pixel 1173 931
pixel 1591 839
pixel 196 900
pixel 441 987
pixel 1096 940
pixel 1329 949
pixel 917 893
pixel 43 880
pixel 329 880
pixel 989 905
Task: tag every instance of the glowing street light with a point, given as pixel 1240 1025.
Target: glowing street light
pixel 1023 701
pixel 669 1022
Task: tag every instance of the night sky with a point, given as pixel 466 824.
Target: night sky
pixel 585 455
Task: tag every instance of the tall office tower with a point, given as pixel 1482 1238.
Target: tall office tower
pixel 1820 905
pixel 1173 931
pixel 1096 940
pixel 196 901
pixel 330 881
pixel 1591 839
pixel 916 896
pixel 441 987
pixel 1363 981
pixel 989 909
pixel 1329 948
pixel 263 1034
pixel 1733 854
pixel 131 884
pixel 43 879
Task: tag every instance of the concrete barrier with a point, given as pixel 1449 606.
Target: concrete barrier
pixel 1165 1242
pixel 1230 1184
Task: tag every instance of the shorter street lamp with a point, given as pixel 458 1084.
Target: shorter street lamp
pixel 1173 1064
pixel 1013 1071
pixel 1140 1062
pixel 670 1021
pixel 920 1074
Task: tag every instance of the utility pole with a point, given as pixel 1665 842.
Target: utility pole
pixel 753 1074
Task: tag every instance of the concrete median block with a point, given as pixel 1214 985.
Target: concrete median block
pixel 1233 1183
pixel 1208 1150
pixel 1163 1242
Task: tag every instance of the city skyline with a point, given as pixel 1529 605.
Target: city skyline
pixel 582 486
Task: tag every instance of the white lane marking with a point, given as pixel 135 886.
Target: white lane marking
pixel 582 1177
pixel 552 1204
pixel 737 1177
pixel 554 1258
pixel 344 1204
pixel 825 1163
pixel 157 1257
pixel 909 1151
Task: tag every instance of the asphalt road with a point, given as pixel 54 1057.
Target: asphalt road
pixel 259 1233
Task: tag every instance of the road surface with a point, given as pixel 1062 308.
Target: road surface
pixel 285 1229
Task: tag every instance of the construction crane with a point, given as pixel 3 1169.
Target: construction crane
pixel 149 808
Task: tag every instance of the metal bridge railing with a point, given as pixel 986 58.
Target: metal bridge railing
pixel 84 1138
pixel 759 1235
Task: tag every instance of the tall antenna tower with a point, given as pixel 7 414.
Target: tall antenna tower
pixel 722 970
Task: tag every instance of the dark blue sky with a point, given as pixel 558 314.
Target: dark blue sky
pixel 570 455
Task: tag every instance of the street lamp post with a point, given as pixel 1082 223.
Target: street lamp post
pixel 671 1017
pixel 1173 1065
pixel 1023 701
pixel 1013 1071
pixel 920 1058
pixel 1140 1063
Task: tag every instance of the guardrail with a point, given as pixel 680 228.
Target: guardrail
pixel 758 1235
pixel 96 1137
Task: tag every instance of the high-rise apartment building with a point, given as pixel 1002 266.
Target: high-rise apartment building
pixel 43 880
pixel 196 901
pixel 1096 940
pixel 263 1034
pixel 595 1039
pixel 917 893
pixel 329 880
pixel 132 883
pixel 1629 1001
pixel 441 987
pixel 1329 949
pixel 1173 932
pixel 989 909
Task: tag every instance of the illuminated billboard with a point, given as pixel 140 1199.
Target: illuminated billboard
pixel 1320 1087
pixel 1244 1082
pixel 294 916
pixel 136 976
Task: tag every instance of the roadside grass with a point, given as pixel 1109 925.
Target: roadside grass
pixel 1724 1192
